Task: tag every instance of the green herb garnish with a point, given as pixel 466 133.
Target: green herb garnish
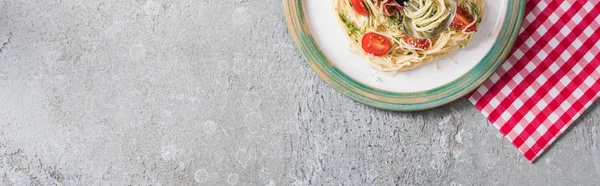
pixel 352 29
pixel 395 21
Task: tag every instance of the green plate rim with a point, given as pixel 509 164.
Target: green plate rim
pixel 300 32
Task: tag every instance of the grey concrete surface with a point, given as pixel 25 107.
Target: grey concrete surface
pixel 207 92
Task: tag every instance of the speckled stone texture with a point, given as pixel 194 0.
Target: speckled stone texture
pixel 208 92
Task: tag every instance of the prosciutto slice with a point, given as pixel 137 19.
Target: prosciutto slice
pixel 389 7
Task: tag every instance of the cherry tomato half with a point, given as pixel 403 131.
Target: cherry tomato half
pixel 359 7
pixel 462 20
pixel 418 43
pixel 376 44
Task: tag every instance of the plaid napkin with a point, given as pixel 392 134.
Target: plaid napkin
pixel 550 79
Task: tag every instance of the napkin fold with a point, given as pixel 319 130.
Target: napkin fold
pixel 551 77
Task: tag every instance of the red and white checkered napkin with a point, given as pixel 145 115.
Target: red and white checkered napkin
pixel 550 79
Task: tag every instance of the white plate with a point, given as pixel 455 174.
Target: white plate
pixel 333 42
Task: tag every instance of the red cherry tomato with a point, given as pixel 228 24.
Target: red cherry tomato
pixel 418 43
pixel 359 7
pixel 376 44
pixel 462 20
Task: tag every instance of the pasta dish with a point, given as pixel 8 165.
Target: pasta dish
pixel 375 30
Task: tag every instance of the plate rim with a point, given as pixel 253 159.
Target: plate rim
pixel 413 101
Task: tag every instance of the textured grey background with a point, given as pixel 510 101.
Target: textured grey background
pixel 208 92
